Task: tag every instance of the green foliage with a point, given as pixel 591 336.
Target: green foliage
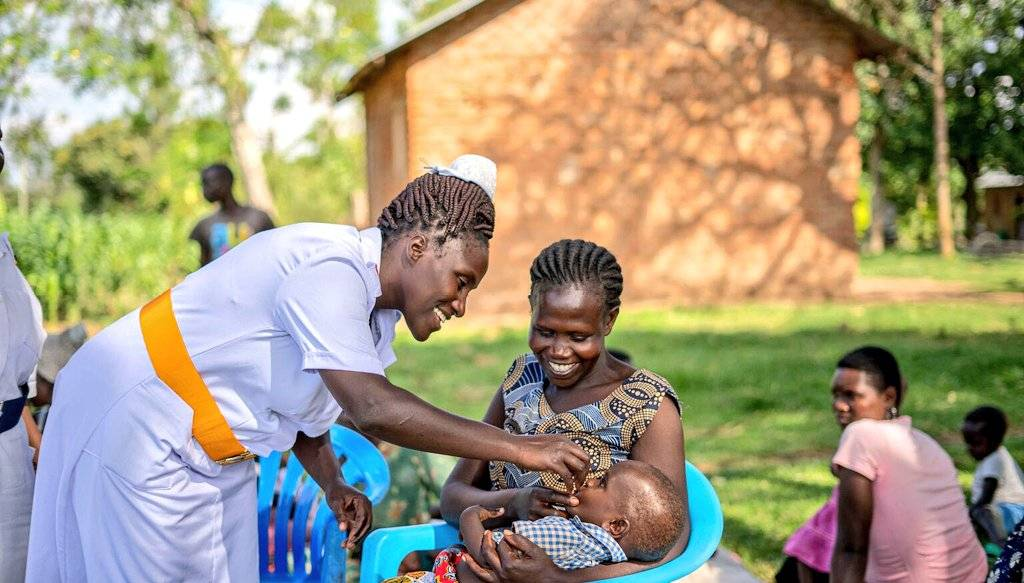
pixel 984 61
pixel 121 165
pixel 420 10
pixel 108 163
pixel 754 384
pixel 187 148
pixel 116 165
pixel 98 267
pixel 318 186
pixel 897 104
pixel 328 40
pixel 985 79
pixel 24 24
pixel 916 228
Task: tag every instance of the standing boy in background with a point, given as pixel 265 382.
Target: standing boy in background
pixel 229 225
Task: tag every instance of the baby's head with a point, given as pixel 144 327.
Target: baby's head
pixel 638 505
pixel 984 429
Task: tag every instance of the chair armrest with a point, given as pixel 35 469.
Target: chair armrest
pixel 385 548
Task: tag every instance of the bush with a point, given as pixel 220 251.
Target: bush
pixel 98 267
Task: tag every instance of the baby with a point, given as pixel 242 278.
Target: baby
pixel 633 512
pixel 997 495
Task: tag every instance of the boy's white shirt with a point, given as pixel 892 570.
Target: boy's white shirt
pixel 1001 466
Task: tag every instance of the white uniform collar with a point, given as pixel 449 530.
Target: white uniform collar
pixel 382 322
pixel 370 242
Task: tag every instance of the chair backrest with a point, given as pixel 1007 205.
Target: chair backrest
pixel 298 497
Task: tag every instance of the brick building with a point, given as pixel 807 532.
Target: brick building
pixel 708 143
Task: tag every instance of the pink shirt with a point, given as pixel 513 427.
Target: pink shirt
pixel 920 530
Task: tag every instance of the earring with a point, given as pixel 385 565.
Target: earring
pixel 893 413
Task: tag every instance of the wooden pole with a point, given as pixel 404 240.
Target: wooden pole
pixel 876 241
pixel 941 128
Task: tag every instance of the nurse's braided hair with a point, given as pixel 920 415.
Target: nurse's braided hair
pixel 446 206
pixel 577 262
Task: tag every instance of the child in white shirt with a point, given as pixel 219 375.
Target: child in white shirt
pixel 997 495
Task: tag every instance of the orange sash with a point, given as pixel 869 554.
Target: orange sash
pixel 175 368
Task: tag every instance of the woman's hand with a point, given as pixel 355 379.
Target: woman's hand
pixel 535 503
pixel 353 510
pixel 515 560
pixel 556 454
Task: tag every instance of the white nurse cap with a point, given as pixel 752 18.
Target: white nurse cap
pixel 474 168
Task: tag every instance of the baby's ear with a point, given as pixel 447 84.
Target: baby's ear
pixel 617 527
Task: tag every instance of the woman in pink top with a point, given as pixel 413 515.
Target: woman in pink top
pixel 902 515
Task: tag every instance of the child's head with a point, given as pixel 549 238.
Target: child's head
pixel 638 505
pixel 984 429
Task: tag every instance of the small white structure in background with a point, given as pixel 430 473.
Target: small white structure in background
pixel 1003 216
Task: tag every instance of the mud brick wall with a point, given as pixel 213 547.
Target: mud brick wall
pixel 708 143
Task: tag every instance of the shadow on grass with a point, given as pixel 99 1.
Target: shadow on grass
pixel 757 404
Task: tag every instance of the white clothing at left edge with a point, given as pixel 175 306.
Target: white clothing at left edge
pixel 21 339
pixel 124 492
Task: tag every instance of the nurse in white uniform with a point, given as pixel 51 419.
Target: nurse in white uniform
pixel 21 339
pixel 146 472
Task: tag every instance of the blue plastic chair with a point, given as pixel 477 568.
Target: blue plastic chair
pixel 384 549
pixel 299 497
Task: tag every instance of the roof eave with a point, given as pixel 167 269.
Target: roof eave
pixel 871 43
pixel 378 59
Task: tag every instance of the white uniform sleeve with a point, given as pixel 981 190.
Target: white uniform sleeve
pixel 319 415
pixel 324 307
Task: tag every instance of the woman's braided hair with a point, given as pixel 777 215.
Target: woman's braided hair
pixel 446 205
pixel 577 262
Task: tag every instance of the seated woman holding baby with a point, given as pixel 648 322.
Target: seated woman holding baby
pixel 571 385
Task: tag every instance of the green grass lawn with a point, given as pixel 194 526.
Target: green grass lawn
pixel 754 381
pixel 984 274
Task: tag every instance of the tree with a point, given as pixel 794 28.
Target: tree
pixel 983 62
pixel 986 108
pixel 23 24
pixel 161 50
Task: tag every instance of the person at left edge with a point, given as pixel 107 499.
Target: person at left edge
pixel 21 339
pixel 291 324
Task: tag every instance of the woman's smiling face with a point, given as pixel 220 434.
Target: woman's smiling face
pixel 567 332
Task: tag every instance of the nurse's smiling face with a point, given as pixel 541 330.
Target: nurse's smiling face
pixel 436 282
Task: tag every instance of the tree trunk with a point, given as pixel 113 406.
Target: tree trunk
pixel 876 241
pixel 247 150
pixel 941 127
pixel 971 169
pixel 224 62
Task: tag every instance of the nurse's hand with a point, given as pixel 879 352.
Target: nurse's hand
pixel 353 510
pixel 556 454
